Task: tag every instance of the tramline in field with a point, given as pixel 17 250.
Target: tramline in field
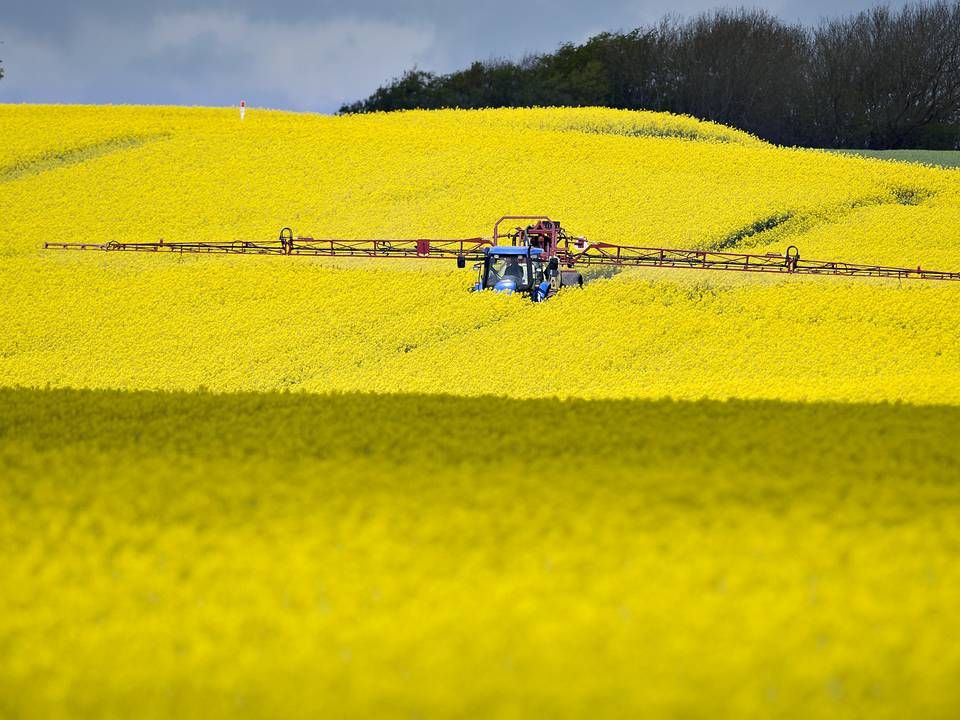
pixel 538 258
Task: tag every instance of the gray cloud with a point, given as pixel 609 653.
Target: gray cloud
pixel 210 57
pixel 291 53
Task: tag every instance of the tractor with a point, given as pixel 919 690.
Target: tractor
pixel 530 265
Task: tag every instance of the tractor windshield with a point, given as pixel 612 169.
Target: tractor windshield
pixel 508 266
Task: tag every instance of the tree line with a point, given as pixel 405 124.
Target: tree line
pixel 881 78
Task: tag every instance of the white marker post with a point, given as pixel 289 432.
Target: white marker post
pixel 243 108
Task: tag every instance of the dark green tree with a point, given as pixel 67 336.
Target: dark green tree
pixel 880 78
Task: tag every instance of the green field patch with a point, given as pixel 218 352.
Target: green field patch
pixel 939 158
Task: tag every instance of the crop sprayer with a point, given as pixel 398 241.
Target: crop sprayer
pixel 537 258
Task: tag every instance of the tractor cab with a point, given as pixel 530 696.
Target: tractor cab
pixel 529 264
pixel 513 269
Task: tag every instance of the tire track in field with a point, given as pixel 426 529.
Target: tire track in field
pixel 795 222
pixel 74 156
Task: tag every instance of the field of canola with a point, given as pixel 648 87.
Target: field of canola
pixel 290 487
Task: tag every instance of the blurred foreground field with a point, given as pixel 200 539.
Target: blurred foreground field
pixel 270 555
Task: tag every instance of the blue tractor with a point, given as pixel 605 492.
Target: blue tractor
pixel 529 264
pixel 523 269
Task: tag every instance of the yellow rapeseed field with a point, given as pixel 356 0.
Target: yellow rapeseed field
pixel 643 178
pixel 270 486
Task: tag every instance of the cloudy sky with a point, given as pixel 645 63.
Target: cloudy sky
pixel 294 54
